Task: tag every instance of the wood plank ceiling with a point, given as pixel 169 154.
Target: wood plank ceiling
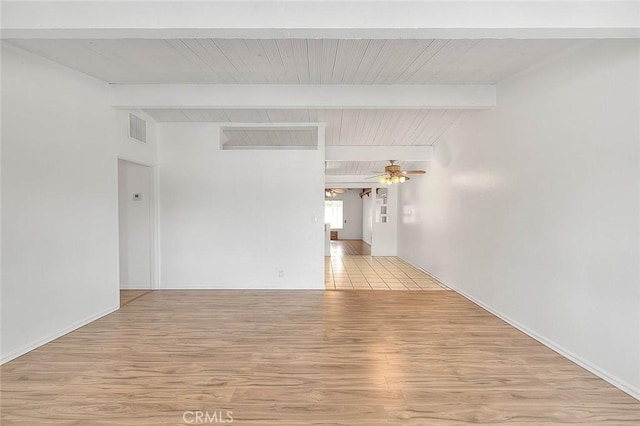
pixel 293 61
pixel 140 61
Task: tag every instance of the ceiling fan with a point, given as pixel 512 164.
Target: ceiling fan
pixel 393 174
pixel 332 192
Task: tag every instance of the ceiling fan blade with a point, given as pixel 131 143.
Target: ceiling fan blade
pixel 376 176
pixel 339 190
pixel 414 172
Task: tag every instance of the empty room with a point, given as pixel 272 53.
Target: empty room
pixel 320 212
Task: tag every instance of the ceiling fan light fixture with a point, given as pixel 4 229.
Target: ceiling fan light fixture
pixel 393 174
pixel 332 192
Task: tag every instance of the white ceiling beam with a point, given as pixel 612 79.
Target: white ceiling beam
pixel 349 179
pixel 270 124
pixel 269 19
pixel 158 96
pixel 353 181
pixel 378 153
pixel 356 185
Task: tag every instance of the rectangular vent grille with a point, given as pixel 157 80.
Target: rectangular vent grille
pixel 137 128
pixel 271 137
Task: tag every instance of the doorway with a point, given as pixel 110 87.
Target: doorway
pixel 136 224
pixel 368 259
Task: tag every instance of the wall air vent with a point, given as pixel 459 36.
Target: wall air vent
pixel 275 136
pixel 137 128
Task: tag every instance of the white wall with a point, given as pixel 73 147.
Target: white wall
pixel 384 235
pixel 59 198
pixel 224 221
pixel 532 209
pixel 135 224
pixel 367 216
pixel 352 211
pixel 132 150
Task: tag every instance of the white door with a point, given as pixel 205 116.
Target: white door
pixel 135 224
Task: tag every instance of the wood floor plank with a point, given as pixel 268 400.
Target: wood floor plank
pixel 128 296
pixel 362 357
pixel 350 247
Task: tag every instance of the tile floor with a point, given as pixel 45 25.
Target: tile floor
pixel 365 272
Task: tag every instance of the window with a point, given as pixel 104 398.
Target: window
pixel 333 213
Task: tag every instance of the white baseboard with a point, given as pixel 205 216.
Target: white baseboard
pixel 31 346
pixel 603 374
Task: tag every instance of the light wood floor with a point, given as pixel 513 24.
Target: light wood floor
pixel 350 247
pixel 304 357
pixel 128 296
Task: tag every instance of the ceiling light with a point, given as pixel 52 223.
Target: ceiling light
pixel 394 174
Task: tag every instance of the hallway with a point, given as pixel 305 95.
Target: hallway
pixel 351 267
pixel 349 247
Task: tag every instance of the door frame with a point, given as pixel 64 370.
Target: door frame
pixel 154 240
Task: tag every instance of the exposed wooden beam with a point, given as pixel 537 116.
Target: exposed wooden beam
pixel 320 19
pixel 143 96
